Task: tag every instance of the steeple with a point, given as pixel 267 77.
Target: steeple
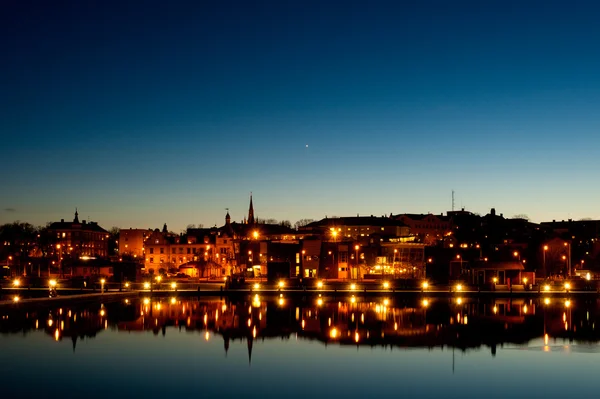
pixel 165 230
pixel 251 212
pixel 227 218
pixel 76 220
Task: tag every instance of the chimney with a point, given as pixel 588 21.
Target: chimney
pixel 62 220
pixel 83 221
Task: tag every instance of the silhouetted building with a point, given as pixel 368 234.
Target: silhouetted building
pixel 78 238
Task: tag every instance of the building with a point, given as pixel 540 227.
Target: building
pixel 131 242
pixel 78 239
pixel 429 227
pixel 358 227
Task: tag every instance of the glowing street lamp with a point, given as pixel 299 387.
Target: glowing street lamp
pixel 102 281
pixel 146 286
pixel 319 284
pixel 16 282
pixel 425 285
pixel 356 247
pixel 544 258
pixel 386 285
pixel 174 285
pixel 281 284
pixel 459 287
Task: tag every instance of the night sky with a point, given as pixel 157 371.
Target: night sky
pixel 175 110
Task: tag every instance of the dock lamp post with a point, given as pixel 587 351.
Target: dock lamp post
pixel 568 258
pixel 356 247
pixel 102 281
pixel 334 234
pixel 544 259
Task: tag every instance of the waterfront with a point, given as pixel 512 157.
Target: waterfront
pixel 275 347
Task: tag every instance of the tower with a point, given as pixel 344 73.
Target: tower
pixel 227 218
pixel 251 212
pixel 76 220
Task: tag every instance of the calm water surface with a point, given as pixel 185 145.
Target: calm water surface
pixel 277 347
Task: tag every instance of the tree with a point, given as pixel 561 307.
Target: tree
pixel 19 240
pixel 302 223
pixel 113 238
pixel 521 216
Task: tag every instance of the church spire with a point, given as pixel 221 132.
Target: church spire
pixel 76 220
pixel 227 218
pixel 251 212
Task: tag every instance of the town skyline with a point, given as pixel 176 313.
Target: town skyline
pixel 261 218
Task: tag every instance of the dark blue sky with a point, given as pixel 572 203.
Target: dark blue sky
pixel 173 111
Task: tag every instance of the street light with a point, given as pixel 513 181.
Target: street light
pixel 568 245
pixel 334 233
pixel 102 281
pixel 544 259
pixel 356 247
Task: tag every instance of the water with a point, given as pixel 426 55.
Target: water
pixel 276 347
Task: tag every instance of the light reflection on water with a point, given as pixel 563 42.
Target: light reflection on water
pixel 389 345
